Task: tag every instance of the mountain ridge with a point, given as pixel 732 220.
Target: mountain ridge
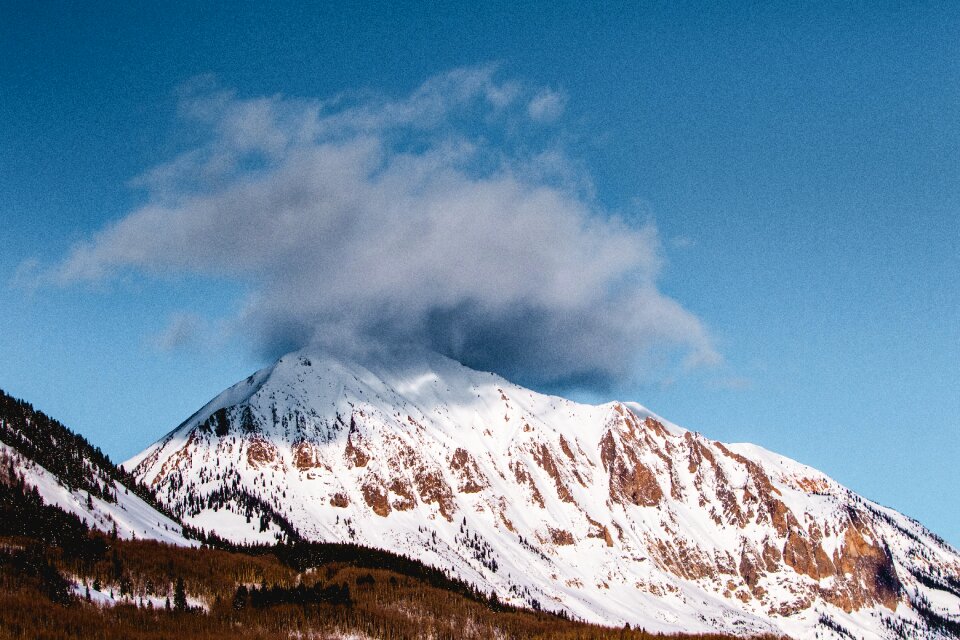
pixel 608 512
pixel 72 474
pixel 72 568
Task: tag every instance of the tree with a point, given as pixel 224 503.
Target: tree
pixel 179 596
pixel 240 598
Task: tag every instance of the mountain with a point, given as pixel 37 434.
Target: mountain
pixel 63 579
pixel 66 471
pixel 609 513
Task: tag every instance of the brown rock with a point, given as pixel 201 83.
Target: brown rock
pixel 656 426
pixel 433 490
pixel 771 557
pixel 637 485
pixel 405 499
pixel 749 570
pixel 608 450
pixel 354 452
pixel 523 477
pixel 544 458
pixel 375 496
pixel 677 558
pixel 472 479
pixel 304 456
pixel 260 452
pixel 599 531
pixel 560 537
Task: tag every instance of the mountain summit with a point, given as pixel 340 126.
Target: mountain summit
pixel 608 512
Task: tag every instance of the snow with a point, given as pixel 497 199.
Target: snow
pixel 132 517
pixel 233 526
pixel 109 596
pixel 408 413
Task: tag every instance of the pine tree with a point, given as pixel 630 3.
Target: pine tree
pixel 179 596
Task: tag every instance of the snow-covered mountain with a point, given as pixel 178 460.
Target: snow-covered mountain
pixel 608 512
pixel 69 473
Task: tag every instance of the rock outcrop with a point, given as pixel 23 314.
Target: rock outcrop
pixel 608 512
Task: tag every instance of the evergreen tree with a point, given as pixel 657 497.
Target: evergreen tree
pixel 179 596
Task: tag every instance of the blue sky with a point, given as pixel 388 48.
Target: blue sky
pixel 799 165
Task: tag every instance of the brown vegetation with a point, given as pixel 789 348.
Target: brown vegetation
pixel 382 603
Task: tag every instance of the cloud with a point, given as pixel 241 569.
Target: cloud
pixel 546 105
pixel 186 330
pixel 432 219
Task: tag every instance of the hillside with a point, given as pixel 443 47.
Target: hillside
pixel 65 575
pixel 129 591
pixel 69 472
pixel 607 513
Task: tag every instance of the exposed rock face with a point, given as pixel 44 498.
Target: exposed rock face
pixel 260 452
pixel 606 511
pixel 354 452
pixel 376 497
pixel 561 537
pixel 634 482
pixel 304 457
pixel 433 489
pixel 472 479
pixel 405 499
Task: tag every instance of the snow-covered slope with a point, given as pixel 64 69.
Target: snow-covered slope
pixel 129 515
pixel 608 512
pixel 78 478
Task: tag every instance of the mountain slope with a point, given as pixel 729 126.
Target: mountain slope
pixel 69 473
pixel 607 512
pixel 60 579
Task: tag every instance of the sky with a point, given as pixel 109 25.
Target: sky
pixel 743 217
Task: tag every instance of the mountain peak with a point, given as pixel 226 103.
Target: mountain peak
pixel 606 511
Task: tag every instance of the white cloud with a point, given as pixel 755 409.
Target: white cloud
pixel 364 219
pixel 547 105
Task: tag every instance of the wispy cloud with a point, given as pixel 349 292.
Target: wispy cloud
pixel 189 331
pixel 435 218
pixel 546 105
